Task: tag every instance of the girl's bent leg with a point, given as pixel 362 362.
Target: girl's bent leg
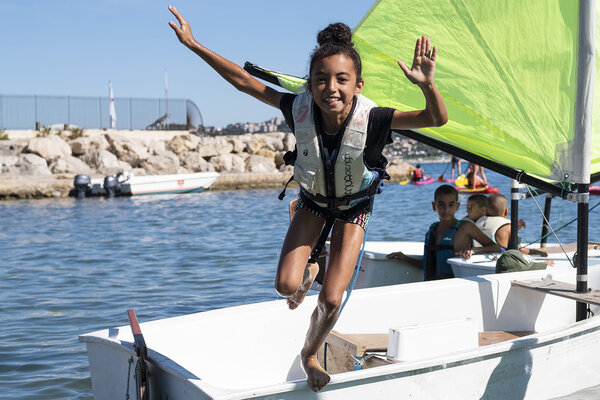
pixel 301 237
pixel 345 247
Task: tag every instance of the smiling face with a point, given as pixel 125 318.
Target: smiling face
pixel 446 206
pixel 333 84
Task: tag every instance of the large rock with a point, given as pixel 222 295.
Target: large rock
pixel 6 162
pixel 161 163
pixel 214 146
pixel 101 160
pixel 131 151
pixel 399 169
pixel 192 161
pixel 237 143
pixel 85 145
pixel 70 165
pixel 256 163
pixel 50 148
pixel 289 142
pixel 272 142
pixel 182 143
pixel 228 163
pixel 267 153
pixel 32 164
pixel 278 159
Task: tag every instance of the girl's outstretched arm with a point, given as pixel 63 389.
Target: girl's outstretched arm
pixel 231 72
pixel 421 73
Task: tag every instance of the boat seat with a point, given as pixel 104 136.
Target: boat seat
pixel 353 351
pixel 562 289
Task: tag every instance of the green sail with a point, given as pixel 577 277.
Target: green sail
pixel 507 71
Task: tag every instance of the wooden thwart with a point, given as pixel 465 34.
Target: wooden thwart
pixel 357 344
pixel 562 289
pixel 344 349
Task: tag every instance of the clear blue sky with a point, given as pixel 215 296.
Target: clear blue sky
pixel 74 47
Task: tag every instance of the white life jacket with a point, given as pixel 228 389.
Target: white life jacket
pixel 349 169
pixel 489 226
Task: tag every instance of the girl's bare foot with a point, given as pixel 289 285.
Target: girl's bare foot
pixel 310 273
pixel 317 377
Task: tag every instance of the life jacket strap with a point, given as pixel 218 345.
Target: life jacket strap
pixel 282 194
pixel 322 239
pixel 335 202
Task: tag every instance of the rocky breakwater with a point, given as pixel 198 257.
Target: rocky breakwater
pixel 33 165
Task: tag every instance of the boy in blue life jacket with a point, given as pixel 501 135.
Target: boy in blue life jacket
pixel 447 238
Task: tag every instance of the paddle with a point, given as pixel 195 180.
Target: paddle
pixel 441 177
pixel 404 182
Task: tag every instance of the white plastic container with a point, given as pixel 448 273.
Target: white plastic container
pixel 413 342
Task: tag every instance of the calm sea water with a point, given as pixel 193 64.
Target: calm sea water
pixel 70 267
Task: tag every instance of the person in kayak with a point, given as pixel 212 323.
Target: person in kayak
pixel 338 164
pixel 476 176
pixel 419 174
pixel 447 238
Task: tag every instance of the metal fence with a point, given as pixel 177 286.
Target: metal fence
pixel 31 112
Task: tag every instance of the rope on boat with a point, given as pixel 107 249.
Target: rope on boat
pixel 128 376
pixel 551 228
pixel 552 231
pixel 356 268
pixel 356 271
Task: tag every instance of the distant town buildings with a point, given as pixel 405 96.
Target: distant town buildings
pixel 276 124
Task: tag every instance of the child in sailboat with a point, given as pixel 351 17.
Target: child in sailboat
pixel 476 207
pixel 447 238
pixel 495 224
pixel 340 135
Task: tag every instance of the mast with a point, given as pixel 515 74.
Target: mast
pixel 583 140
pixel 547 210
pixel 515 196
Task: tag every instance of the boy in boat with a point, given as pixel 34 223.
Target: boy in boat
pixel 419 174
pixel 447 238
pixel 332 118
pixel 476 207
pixel 497 226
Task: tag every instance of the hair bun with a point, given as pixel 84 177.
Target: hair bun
pixel 338 33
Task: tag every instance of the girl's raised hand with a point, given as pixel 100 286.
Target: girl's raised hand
pixel 423 66
pixel 184 32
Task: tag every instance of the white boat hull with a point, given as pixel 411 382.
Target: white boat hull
pixel 162 184
pixel 377 270
pixel 252 351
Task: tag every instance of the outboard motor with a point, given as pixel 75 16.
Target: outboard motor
pixel 111 185
pixel 82 185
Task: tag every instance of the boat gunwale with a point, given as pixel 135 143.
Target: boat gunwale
pixel 392 371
